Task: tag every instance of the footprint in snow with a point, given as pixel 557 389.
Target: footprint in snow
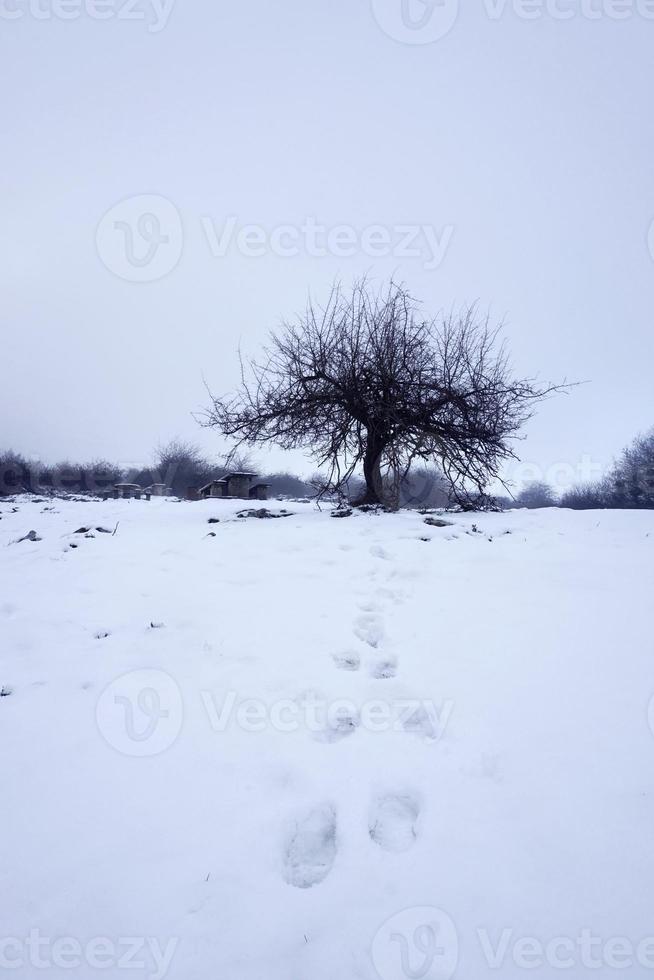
pixel 422 722
pixel 369 629
pixel 310 847
pixel 342 723
pixel 396 596
pixel 392 822
pixel 383 670
pixel 378 552
pixel 368 606
pixel 348 660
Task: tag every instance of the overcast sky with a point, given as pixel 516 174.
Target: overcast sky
pixel 177 176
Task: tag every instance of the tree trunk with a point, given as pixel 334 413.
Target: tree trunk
pixel 374 492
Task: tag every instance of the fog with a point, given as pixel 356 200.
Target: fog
pixel 178 177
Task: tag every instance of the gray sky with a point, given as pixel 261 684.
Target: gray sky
pixel 501 152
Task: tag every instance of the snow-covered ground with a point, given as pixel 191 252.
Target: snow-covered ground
pixel 318 749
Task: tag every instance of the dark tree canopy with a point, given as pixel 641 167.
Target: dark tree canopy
pixel 366 381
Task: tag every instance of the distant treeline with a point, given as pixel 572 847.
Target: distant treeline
pixel 178 465
pixel 181 466
pixel 628 485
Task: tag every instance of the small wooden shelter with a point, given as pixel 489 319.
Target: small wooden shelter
pixel 127 491
pixel 237 486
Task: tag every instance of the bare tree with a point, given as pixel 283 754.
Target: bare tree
pixel 14 473
pixel 588 496
pixel 180 465
pixel 235 462
pixel 536 494
pixel 365 381
pixel 18 475
pixel 287 485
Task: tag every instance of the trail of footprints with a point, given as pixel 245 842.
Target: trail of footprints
pixel 311 844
